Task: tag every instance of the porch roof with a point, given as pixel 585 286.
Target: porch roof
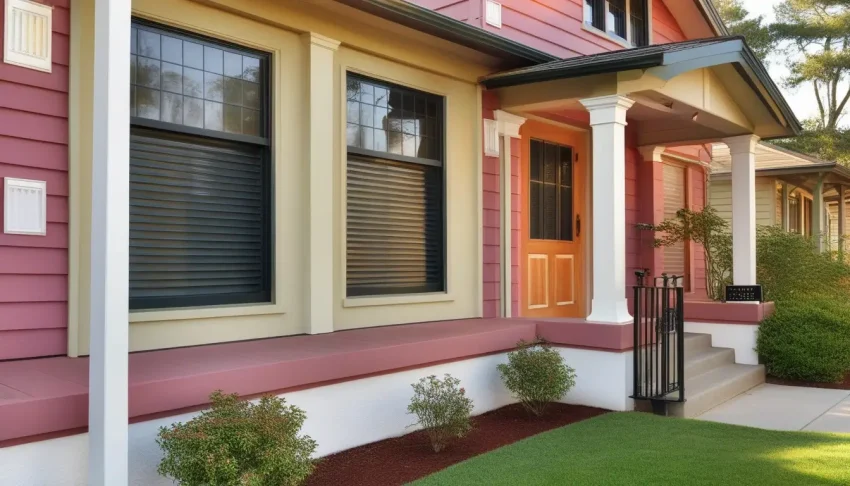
pixel 665 62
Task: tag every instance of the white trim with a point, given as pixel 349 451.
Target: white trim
pixel 24 207
pixel 743 155
pixel 508 127
pixel 35 30
pixel 491 138
pixel 110 246
pixel 509 124
pixel 319 293
pixel 493 13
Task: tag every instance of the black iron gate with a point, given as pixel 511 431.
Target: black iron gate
pixel 659 337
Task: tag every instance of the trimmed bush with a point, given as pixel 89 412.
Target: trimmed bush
pixel 238 443
pixel 807 339
pixel 536 374
pixel 443 409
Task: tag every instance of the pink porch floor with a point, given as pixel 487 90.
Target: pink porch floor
pixel 50 395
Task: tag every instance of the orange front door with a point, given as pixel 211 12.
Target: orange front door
pixel 552 210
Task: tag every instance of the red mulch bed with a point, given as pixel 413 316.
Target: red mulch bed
pixel 842 385
pixel 404 459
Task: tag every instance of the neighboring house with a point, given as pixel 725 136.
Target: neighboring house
pixel 192 182
pixel 790 187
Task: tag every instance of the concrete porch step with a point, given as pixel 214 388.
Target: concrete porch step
pixel 711 377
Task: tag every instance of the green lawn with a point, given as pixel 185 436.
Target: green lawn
pixel 641 449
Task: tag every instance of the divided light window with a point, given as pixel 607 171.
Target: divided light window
pixel 551 191
pixel 395 235
pixel 200 229
pixel 626 19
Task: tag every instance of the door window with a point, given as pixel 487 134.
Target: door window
pixel 551 192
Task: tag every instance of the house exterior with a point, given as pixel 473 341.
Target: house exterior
pixel 277 192
pixel 789 188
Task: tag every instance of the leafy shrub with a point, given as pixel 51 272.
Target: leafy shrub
pixel 807 339
pixel 537 375
pixel 789 267
pixel 443 409
pixel 238 443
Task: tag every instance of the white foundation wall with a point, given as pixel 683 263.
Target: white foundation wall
pixel 339 416
pixel 603 379
pixel 740 337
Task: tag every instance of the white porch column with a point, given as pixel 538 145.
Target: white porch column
pixel 608 122
pixel 508 129
pixel 786 206
pixel 319 278
pixel 743 152
pixel 841 219
pixel 110 245
pixel 818 215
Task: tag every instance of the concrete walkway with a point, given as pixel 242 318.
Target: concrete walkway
pixel 786 408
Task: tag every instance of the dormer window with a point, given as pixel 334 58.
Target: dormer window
pixel 624 20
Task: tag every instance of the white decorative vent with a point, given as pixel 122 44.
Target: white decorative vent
pixel 25 207
pixel 28 31
pixel 493 13
pixel 491 138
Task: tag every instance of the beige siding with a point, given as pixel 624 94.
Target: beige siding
pixel 720 196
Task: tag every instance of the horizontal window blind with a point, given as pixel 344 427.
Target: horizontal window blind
pixel 394 227
pixel 674 200
pixel 198 221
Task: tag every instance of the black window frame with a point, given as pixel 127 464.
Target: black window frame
pixel 392 158
pixel 599 10
pixel 263 142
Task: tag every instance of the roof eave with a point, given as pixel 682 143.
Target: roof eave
pixel 757 68
pixel 712 16
pixel 444 27
pixel 645 62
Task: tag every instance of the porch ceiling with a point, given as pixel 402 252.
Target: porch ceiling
pixel 685 92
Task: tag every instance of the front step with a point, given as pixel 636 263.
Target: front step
pixel 711 378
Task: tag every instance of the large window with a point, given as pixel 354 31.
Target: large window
pixel 395 205
pixel 551 191
pixel 624 19
pixel 199 171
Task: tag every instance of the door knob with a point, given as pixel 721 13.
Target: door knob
pixel 578 225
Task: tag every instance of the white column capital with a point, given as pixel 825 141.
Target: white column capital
pixel 320 40
pixel 508 123
pixel 652 153
pixel 607 109
pixel 742 144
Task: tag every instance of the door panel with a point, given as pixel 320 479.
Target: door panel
pixel 552 192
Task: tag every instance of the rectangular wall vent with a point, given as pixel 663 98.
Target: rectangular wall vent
pixel 24 207
pixel 491 138
pixel 493 13
pixel 28 32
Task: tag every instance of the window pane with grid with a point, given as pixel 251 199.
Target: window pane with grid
pixel 386 118
pixel 594 13
pixel 639 22
pixel 617 18
pixel 550 192
pixel 186 81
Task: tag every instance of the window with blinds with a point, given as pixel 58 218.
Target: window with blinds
pixel 200 227
pixel 395 220
pixel 675 198
pixel 551 191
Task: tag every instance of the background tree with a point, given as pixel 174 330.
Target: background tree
pixel 754 29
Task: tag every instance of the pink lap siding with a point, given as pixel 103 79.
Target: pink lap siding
pixel 34 145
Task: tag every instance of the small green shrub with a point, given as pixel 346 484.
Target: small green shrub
pixel 238 443
pixel 537 375
pixel 443 409
pixel 807 339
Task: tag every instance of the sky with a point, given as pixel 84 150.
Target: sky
pixel 802 100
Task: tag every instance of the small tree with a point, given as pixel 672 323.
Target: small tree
pixel 443 409
pixel 709 230
pixel 536 374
